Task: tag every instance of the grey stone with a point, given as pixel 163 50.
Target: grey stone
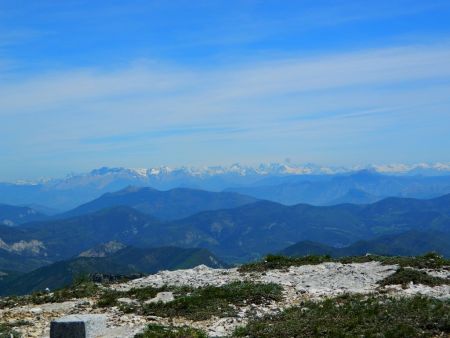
pixel 78 326
pixel 36 310
pixel 163 297
pixel 127 301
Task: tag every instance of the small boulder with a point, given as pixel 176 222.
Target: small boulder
pixel 127 301
pixel 163 297
pixel 36 310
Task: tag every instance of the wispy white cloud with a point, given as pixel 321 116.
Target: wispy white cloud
pixel 159 89
pixel 297 104
pixel 393 63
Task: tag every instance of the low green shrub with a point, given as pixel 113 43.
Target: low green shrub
pixel 160 331
pixel 79 289
pixel 270 262
pixel 6 331
pixel 428 261
pixel 282 262
pixel 108 298
pixel 404 276
pixel 356 316
pixel 202 303
pixel 11 301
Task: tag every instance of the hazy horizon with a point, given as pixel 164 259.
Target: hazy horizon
pixel 305 168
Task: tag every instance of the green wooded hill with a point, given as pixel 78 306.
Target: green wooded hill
pixel 13 215
pixel 165 205
pixel 239 234
pixel 251 230
pixel 126 261
pixel 410 243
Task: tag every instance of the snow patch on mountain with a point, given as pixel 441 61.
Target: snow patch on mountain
pixel 237 169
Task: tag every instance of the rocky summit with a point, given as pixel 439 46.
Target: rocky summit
pixel 155 299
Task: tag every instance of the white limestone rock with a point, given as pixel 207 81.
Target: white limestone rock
pixel 161 297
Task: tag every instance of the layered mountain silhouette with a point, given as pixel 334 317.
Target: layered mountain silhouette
pixel 13 215
pixel 236 234
pixel 144 230
pixel 410 243
pixel 262 227
pixel 125 261
pixel 360 187
pixel 167 205
pixel 281 183
pixel 65 238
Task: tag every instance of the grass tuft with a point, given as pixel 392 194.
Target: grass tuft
pixel 356 316
pixel 6 331
pixel 108 298
pixel 405 276
pixel 160 331
pixel 79 289
pixel 203 303
pixel 427 261
pixel 282 262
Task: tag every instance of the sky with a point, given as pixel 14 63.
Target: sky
pixel 85 84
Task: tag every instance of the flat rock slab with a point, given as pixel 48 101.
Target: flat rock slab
pixel 78 326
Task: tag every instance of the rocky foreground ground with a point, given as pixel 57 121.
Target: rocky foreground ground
pixel 299 284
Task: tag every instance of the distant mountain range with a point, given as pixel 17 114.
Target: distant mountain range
pixel 12 215
pixel 120 228
pixel 123 232
pixel 64 238
pixel 251 230
pixel 360 188
pixel 20 261
pixel 409 243
pixel 103 250
pixel 165 205
pixel 125 261
pixel 268 181
pixel 236 234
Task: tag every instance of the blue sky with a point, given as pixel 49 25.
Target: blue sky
pixel 145 83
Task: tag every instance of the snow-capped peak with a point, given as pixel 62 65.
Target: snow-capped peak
pixel 145 175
